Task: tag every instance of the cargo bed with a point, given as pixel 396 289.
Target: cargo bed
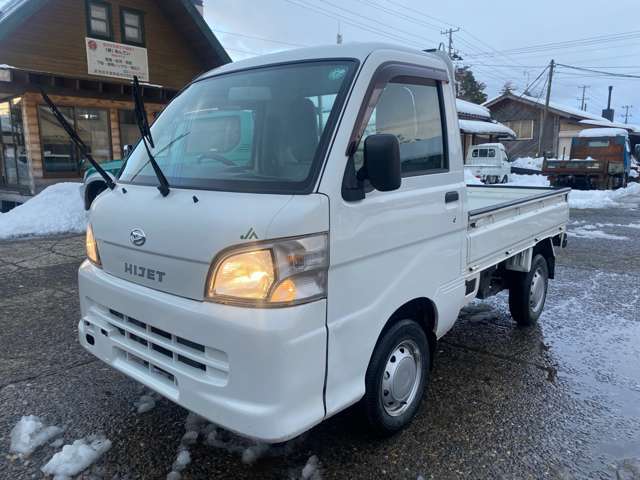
pixel 503 221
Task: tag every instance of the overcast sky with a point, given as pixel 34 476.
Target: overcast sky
pixel 487 27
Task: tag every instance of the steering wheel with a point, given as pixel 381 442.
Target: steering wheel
pixel 215 156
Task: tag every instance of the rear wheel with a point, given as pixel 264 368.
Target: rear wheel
pixel 528 292
pixel 397 377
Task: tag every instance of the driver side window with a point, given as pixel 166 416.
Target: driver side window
pixel 411 112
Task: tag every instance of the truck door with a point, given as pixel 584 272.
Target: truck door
pixel 393 247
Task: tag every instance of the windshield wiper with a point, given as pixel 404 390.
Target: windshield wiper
pixel 75 138
pixel 147 139
pixel 179 137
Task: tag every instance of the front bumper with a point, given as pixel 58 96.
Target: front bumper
pixel 257 372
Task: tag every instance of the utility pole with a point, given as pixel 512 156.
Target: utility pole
pixel 626 113
pixel 552 65
pixel 450 33
pixel 339 35
pixel 583 105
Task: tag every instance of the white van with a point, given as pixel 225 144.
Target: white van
pixel 489 163
pixel 271 290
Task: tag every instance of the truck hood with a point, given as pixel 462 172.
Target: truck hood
pixel 184 231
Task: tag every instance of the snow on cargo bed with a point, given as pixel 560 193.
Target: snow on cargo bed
pixel 57 209
pixel 529 163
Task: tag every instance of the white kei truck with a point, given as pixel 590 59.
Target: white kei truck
pixel 269 291
pixel 489 163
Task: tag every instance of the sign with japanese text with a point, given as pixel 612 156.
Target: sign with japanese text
pixel 117 60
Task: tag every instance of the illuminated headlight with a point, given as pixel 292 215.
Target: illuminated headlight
pixel 271 274
pixel 92 247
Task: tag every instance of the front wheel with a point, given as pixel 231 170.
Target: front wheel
pixel 528 292
pixel 397 377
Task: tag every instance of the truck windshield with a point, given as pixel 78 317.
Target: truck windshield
pixel 259 130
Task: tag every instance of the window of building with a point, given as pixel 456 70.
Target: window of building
pixel 522 128
pixel 14 167
pixel 59 155
pixel 129 131
pixel 412 113
pixel 99 19
pixel 132 26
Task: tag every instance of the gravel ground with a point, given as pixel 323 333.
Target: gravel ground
pixel 561 400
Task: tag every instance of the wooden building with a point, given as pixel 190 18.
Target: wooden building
pixel 84 53
pixel 477 126
pixel 523 114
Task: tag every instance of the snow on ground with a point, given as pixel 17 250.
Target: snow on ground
pixel 200 429
pixel 602 198
pixel 30 433
pixel 147 401
pixel 311 470
pixel 591 232
pixel 57 209
pixel 78 456
pixel 528 162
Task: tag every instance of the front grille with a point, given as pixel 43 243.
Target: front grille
pixel 151 348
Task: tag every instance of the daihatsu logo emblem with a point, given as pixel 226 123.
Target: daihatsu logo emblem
pixel 137 237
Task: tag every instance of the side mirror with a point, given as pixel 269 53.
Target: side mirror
pixel 126 150
pixel 382 162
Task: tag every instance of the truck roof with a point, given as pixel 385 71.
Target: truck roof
pixel 358 50
pixel 489 145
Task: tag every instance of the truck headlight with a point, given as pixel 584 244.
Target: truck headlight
pixel 92 247
pixel 271 274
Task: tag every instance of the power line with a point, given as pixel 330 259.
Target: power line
pixel 597 40
pixel 348 21
pixel 626 114
pixel 601 72
pixel 254 37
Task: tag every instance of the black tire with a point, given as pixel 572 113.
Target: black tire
pixel 404 332
pixel 524 304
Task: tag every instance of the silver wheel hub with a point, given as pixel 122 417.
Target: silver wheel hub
pixel 401 378
pixel 537 291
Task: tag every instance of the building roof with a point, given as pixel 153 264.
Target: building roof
pixel 183 13
pixel 556 108
pixel 486 128
pixel 472 109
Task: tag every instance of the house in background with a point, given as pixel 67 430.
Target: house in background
pixel 477 126
pixel 84 53
pixel 523 114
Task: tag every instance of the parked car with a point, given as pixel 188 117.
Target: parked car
pixel 270 291
pixel 233 146
pixel 489 162
pixel 600 159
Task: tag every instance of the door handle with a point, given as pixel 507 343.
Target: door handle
pixel 451 197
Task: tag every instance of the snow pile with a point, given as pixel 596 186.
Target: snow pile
pixel 602 198
pixel 30 433
pixel 75 458
pixel 470 179
pixel 57 209
pixel 633 174
pixel 528 162
pixel 527 181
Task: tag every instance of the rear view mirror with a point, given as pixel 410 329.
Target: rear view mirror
pixel 382 162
